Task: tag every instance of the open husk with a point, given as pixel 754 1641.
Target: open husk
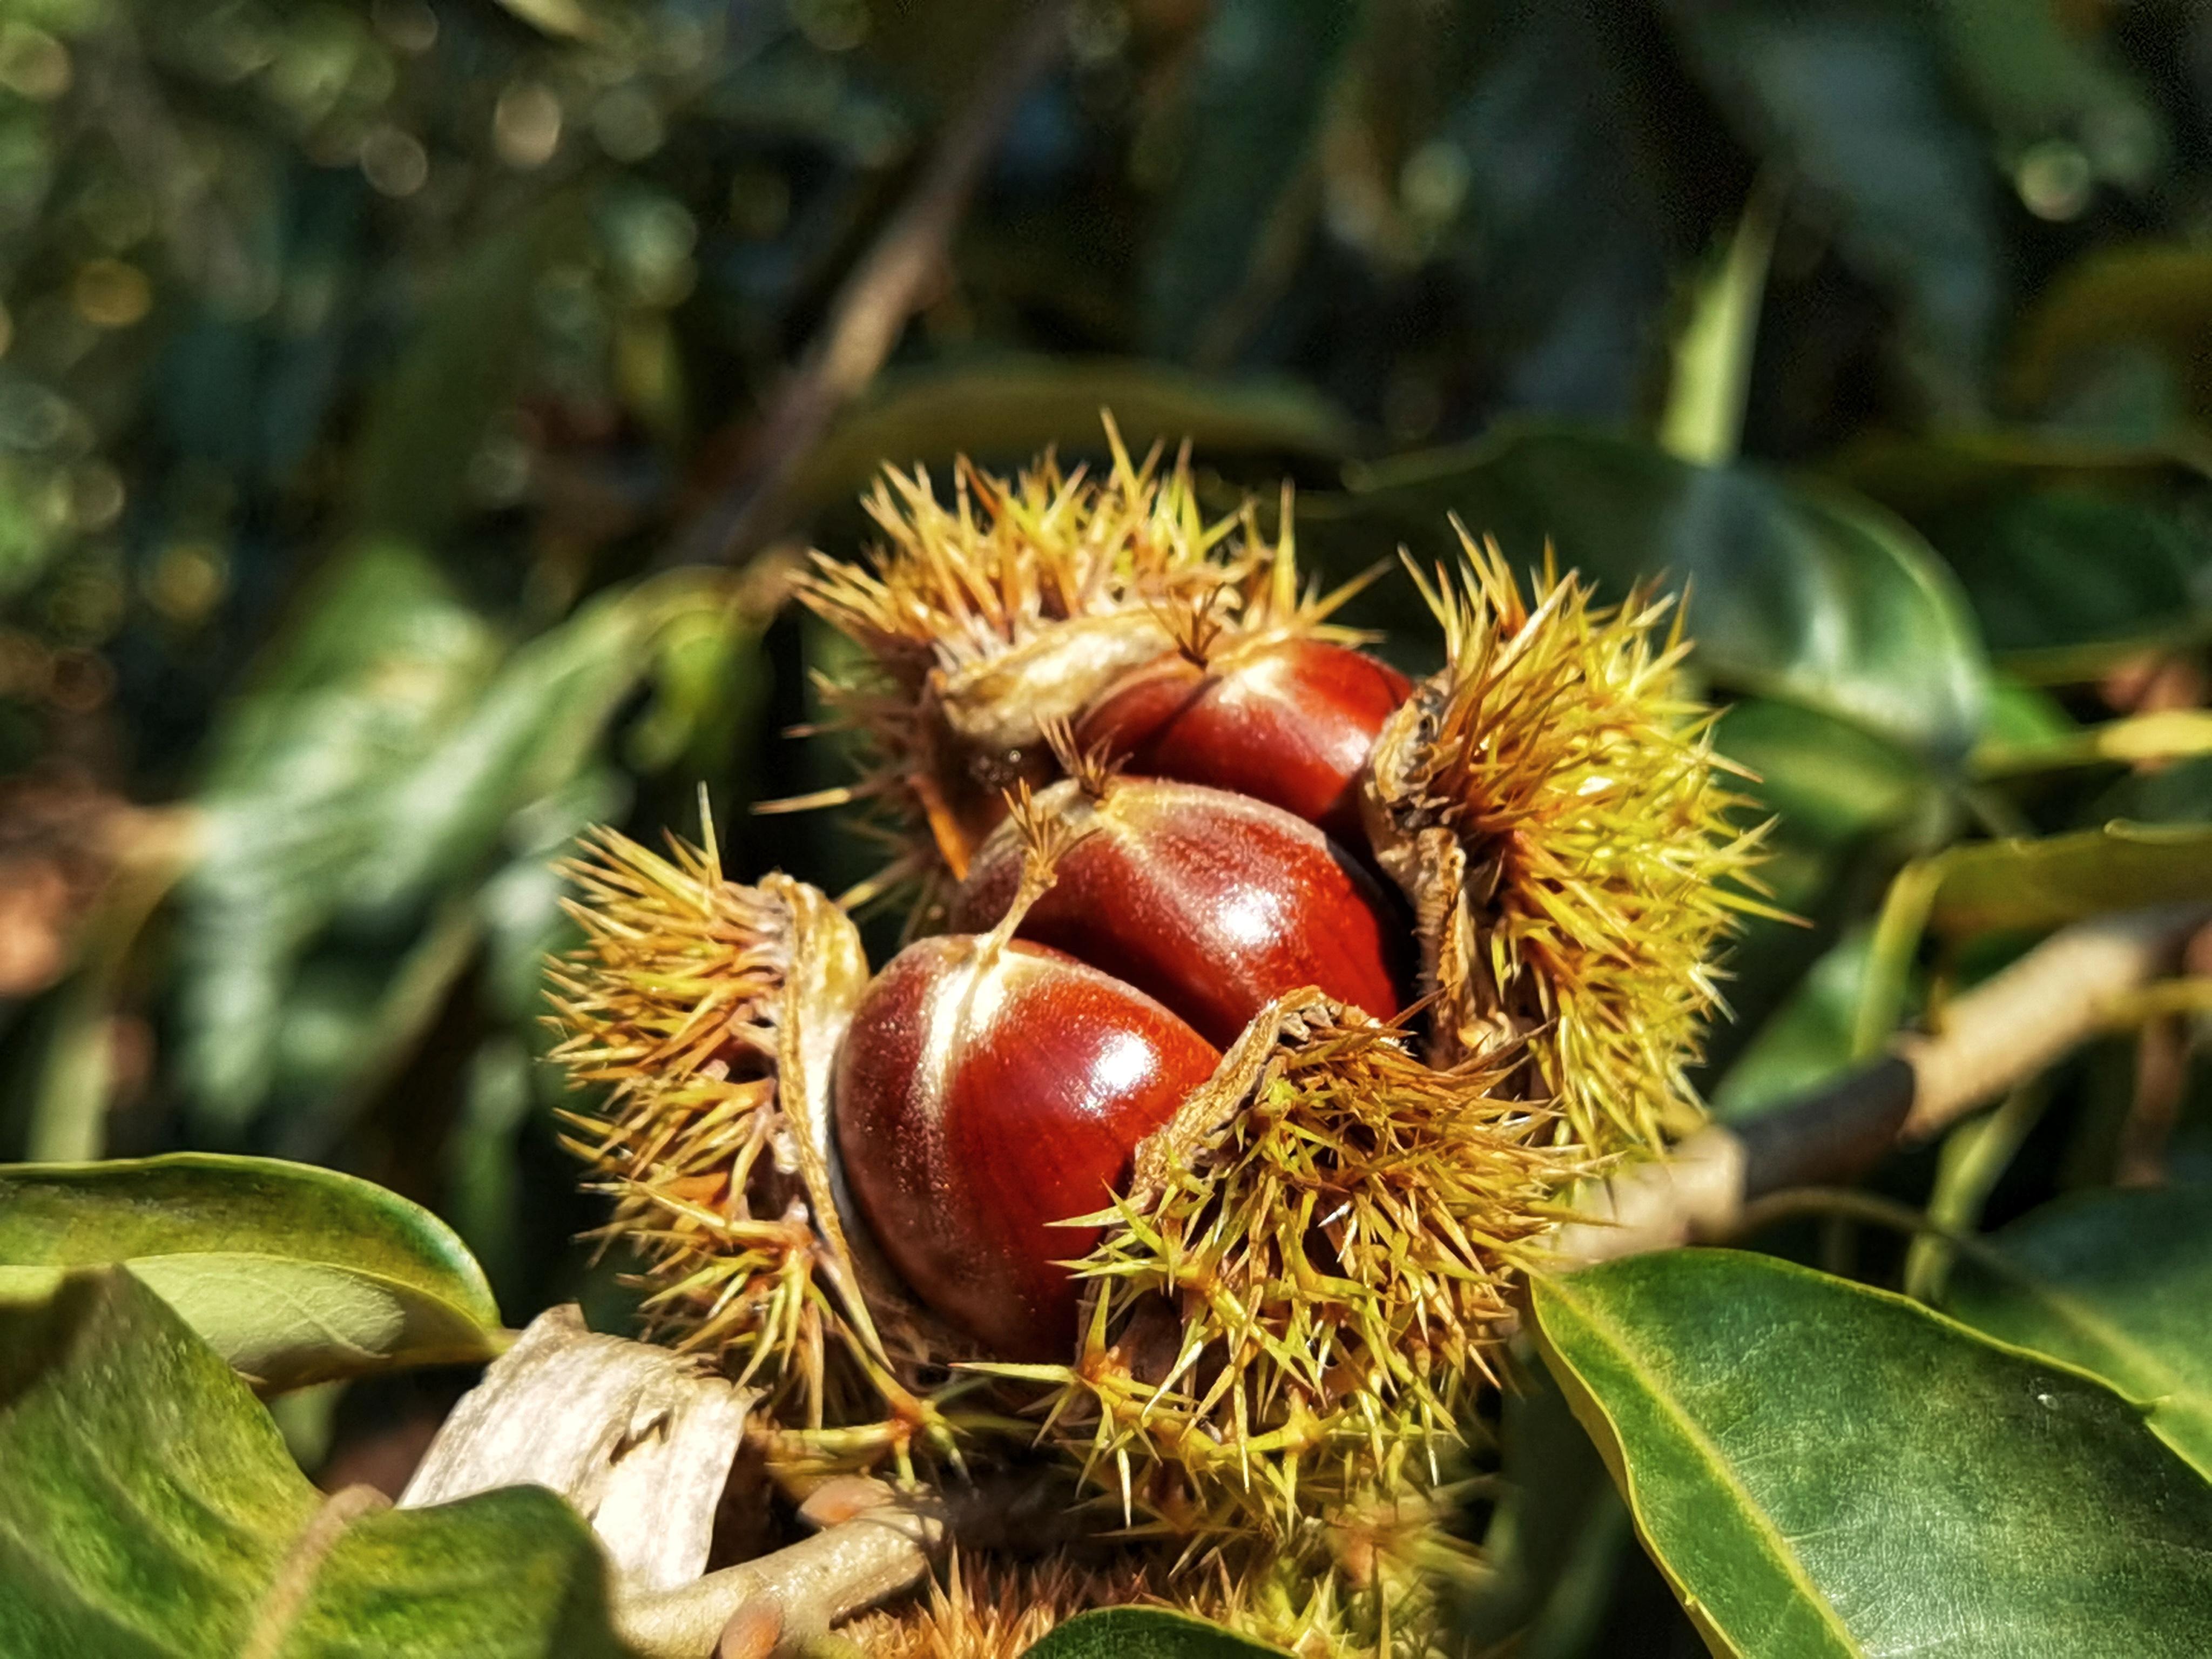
pixel 1550 802
pixel 711 1013
pixel 1293 1297
pixel 986 623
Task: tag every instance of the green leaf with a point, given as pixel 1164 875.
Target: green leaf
pixel 462 365
pixel 2039 76
pixel 532 729
pixel 2163 734
pixel 293 1275
pixel 383 659
pixel 1819 1468
pixel 1144 1633
pixel 2067 580
pixel 1007 409
pixel 1259 89
pixel 389 762
pixel 2143 308
pixel 2046 882
pixel 1552 1541
pixel 2024 882
pixel 1848 104
pixel 1805 1041
pixel 1561 236
pixel 2117 1283
pixel 1703 421
pixel 150 1508
pixel 1816 597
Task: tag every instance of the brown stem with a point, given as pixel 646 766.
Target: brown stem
pixel 1992 1038
pixel 889 284
pixel 783 1601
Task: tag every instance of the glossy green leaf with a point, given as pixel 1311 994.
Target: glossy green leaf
pixel 1258 93
pixel 1005 409
pixel 1812 596
pixel 293 1275
pixel 1144 1633
pixel 2117 1283
pixel 1823 1469
pixel 150 1508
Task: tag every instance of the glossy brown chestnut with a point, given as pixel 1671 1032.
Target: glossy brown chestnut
pixel 1290 722
pixel 984 1093
pixel 1214 903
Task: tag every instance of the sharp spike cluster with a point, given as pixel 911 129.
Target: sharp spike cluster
pixel 1300 1285
pixel 1553 803
pixel 984 621
pixel 1292 1301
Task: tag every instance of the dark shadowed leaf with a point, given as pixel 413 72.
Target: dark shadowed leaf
pixel 1805 1041
pixel 1823 1469
pixel 293 1275
pixel 2140 314
pixel 1144 1633
pixel 2066 582
pixel 1562 239
pixel 1005 411
pixel 150 1508
pixel 462 365
pixel 1818 598
pixel 2039 77
pixel 1848 103
pixel 2117 1283
pixel 1258 89
pixel 1558 1525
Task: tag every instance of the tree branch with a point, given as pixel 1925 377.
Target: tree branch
pixel 888 286
pixel 1994 1037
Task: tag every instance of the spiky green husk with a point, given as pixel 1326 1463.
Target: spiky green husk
pixel 1293 1299
pixel 1551 803
pixel 1362 1584
pixel 986 622
pixel 706 1011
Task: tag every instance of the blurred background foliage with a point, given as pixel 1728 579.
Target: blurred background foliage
pixel 371 376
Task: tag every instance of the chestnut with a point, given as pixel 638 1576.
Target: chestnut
pixel 988 1089
pixel 1213 902
pixel 1289 721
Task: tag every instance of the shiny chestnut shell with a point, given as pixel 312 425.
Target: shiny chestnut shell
pixel 1213 902
pixel 985 1093
pixel 1290 722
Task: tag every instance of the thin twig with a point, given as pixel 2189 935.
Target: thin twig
pixel 1993 1038
pixel 889 285
pixel 776 1603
